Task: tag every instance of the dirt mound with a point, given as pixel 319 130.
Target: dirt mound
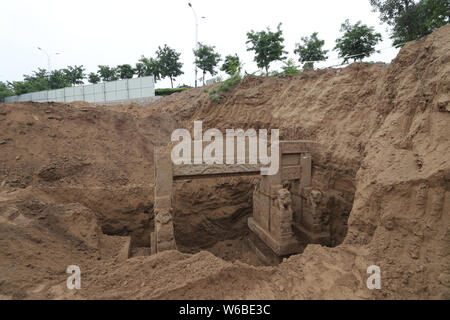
pixel 71 173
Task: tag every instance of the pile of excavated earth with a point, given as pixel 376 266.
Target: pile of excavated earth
pixel 76 188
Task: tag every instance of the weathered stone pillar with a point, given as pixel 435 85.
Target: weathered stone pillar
pixel 163 237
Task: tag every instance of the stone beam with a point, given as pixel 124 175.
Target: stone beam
pixel 180 171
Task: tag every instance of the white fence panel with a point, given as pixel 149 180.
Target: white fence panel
pixel 51 95
pixel 99 92
pixel 119 90
pixel 35 96
pixel 25 97
pixel 60 95
pixel 12 99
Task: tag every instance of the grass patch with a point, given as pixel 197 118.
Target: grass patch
pixel 215 94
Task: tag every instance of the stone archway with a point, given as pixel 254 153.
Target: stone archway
pixel 286 209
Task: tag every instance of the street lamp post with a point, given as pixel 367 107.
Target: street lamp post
pixel 48 64
pixel 48 58
pixel 196 37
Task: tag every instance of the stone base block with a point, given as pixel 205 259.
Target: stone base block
pixel 307 236
pixel 262 251
pixel 280 248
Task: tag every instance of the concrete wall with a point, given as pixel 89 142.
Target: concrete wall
pixel 101 93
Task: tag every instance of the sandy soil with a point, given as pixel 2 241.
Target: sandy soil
pixel 76 187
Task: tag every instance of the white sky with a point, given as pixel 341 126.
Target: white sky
pixel 93 32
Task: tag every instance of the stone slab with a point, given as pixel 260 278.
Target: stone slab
pixel 286 247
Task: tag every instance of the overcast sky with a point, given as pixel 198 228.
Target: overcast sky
pixel 93 32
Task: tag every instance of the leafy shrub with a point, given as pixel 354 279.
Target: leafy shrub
pixel 290 67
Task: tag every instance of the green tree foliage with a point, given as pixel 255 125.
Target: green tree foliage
pixel 140 69
pixel 40 81
pixel 125 71
pixel 107 73
pixel 358 41
pixel 206 59
pixel 21 87
pixel 75 74
pixel 411 20
pixel 36 75
pixel 267 45
pixel 93 78
pixel 37 81
pixel 150 66
pixel 437 14
pixel 231 65
pixel 58 79
pixel 310 50
pixel 5 91
pixel 169 64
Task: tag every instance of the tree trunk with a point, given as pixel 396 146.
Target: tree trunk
pixel 171 82
pixel 267 71
pixel 204 74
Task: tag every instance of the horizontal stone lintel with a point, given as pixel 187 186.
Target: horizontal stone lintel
pixel 215 169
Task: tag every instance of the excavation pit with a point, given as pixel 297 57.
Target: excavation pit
pixel 286 211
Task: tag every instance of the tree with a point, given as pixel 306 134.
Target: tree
pixel 58 79
pixel 310 51
pixel 437 14
pixel 358 41
pixel 5 91
pixel 151 67
pixel 139 69
pixel 93 78
pixel 231 65
pixel 38 81
pixel 107 73
pixel 36 75
pixel 169 64
pixel 411 20
pixel 75 74
pixel 268 46
pixel 206 59
pixel 125 71
pixel 21 87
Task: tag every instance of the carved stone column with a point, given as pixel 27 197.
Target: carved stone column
pixel 163 237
